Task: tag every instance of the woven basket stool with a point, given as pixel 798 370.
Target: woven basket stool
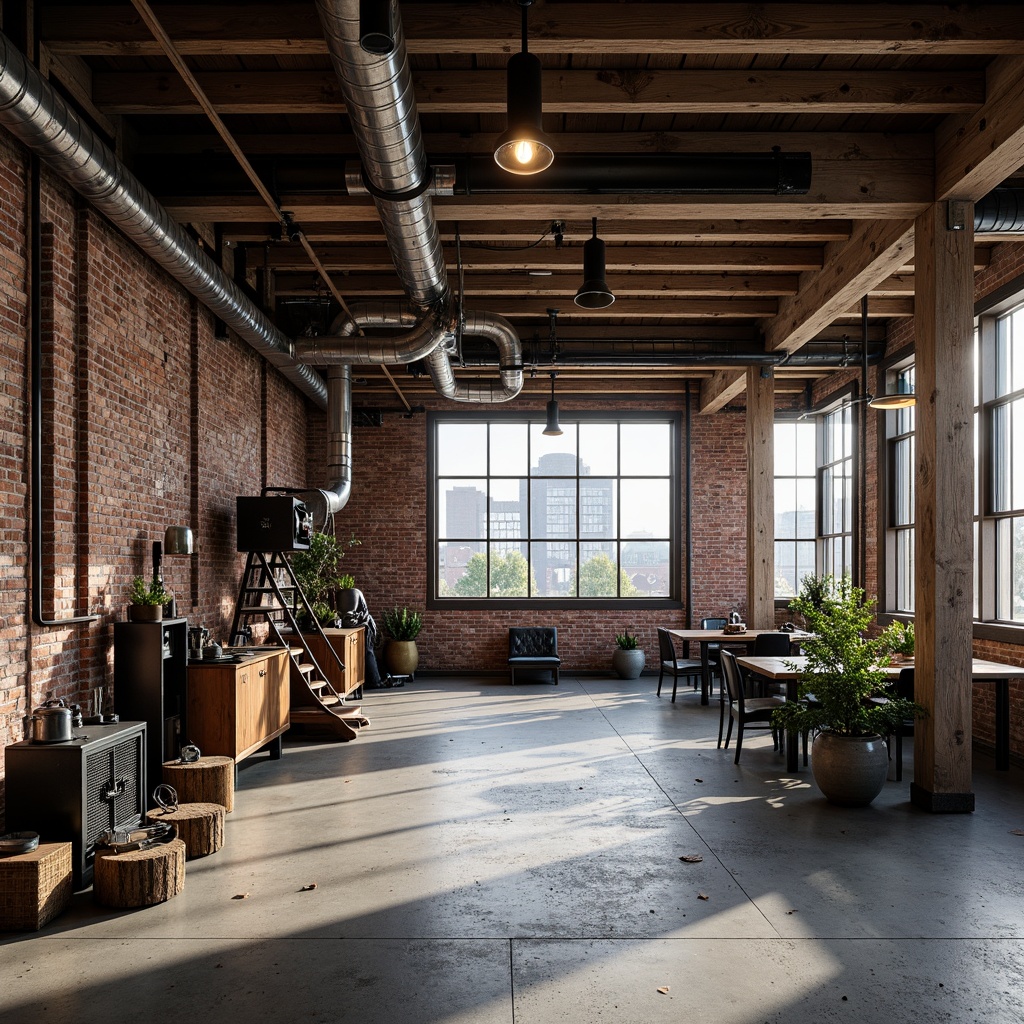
pixel 211 780
pixel 199 826
pixel 139 878
pixel 34 887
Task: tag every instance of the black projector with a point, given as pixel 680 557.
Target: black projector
pixel 275 523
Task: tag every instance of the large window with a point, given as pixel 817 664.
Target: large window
pixel 795 505
pixel 835 486
pixel 591 514
pixel 901 499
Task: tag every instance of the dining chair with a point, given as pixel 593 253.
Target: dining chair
pixel 904 687
pixel 673 664
pixel 767 645
pixel 746 710
pixel 714 662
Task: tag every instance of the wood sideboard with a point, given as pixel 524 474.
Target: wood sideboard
pixel 236 708
pixel 349 644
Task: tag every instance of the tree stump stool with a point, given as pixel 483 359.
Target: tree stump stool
pixel 209 780
pixel 139 878
pixel 199 826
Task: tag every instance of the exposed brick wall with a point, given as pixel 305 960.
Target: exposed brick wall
pixel 148 421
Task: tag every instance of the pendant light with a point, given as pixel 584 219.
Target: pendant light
pixel 594 293
pixel 523 148
pixel 553 429
pixel 902 397
pixel 376 27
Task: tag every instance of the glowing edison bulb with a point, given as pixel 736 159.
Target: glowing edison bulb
pixel 524 151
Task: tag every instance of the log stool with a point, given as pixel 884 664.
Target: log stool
pixel 199 826
pixel 211 780
pixel 139 878
pixel 34 887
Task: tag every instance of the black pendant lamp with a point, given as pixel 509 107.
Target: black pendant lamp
pixel 553 429
pixel 377 27
pixel 902 397
pixel 523 148
pixel 594 293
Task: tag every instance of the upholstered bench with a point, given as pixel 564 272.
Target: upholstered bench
pixel 533 647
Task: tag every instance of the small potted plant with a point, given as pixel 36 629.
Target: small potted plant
pixel 898 639
pixel 628 656
pixel 146 600
pixel 402 626
pixel 844 695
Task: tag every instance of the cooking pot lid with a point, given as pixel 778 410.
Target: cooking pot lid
pixel 50 712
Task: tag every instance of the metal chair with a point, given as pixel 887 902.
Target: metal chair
pixel 768 645
pixel 747 711
pixel 904 687
pixel 671 663
pixel 714 663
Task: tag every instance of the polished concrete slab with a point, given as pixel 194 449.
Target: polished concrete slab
pixel 488 853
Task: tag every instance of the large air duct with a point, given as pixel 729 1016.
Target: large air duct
pixel 1002 210
pixel 380 101
pixel 41 119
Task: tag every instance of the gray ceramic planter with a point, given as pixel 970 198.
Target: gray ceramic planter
pixel 628 664
pixel 849 770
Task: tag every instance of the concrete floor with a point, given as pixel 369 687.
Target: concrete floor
pixel 488 854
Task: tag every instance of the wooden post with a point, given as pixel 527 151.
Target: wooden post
pixel 760 498
pixel 944 484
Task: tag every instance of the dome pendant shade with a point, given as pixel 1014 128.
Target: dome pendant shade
pixel 178 540
pixel 523 148
pixel 594 293
pixel 899 399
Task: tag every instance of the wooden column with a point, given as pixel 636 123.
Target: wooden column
pixel 944 481
pixel 760 498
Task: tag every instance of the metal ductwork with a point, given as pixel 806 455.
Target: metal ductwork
pixel 1001 210
pixel 322 504
pixel 38 116
pixel 381 106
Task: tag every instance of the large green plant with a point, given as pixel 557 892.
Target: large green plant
pixel 402 624
pixel 842 680
pixel 319 575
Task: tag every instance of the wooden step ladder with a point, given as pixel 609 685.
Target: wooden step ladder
pixel 270 593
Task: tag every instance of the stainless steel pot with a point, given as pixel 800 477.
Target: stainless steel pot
pixel 48 724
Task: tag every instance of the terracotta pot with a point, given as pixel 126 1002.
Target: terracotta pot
pixel 628 664
pixel 849 770
pixel 145 613
pixel 402 657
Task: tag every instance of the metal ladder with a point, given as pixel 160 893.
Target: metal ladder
pixel 270 593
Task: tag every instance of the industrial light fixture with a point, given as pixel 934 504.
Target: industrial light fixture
pixel 177 541
pixel 523 148
pixel 901 398
pixel 553 429
pixel 594 293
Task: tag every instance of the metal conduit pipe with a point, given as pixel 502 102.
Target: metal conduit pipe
pixel 1001 210
pixel 39 117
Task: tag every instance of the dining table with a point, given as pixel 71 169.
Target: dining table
pixel 705 637
pixel 998 675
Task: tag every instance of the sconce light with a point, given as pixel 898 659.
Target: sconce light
pixel 553 429
pixel 376 27
pixel 177 541
pixel 594 293
pixel 523 148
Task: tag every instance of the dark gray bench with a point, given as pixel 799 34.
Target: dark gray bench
pixel 534 647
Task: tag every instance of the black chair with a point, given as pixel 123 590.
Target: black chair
pixel 747 711
pixel 904 687
pixel 533 647
pixel 714 662
pixel 768 645
pixel 673 664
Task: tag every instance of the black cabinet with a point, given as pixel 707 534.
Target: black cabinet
pixel 73 792
pixel 150 683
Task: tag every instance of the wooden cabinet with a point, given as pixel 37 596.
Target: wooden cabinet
pixel 349 645
pixel 237 708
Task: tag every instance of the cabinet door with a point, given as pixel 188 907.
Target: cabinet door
pixel 247 706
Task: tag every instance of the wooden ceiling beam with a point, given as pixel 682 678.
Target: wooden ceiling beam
pixel 571 92
pixel 637 28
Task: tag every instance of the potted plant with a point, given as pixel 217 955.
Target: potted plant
pixel 402 626
pixel 898 639
pixel 628 656
pixel 839 695
pixel 318 575
pixel 146 600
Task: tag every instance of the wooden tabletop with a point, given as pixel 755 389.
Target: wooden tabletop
pixel 790 668
pixel 720 635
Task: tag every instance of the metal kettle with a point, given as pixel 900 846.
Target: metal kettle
pixel 50 723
